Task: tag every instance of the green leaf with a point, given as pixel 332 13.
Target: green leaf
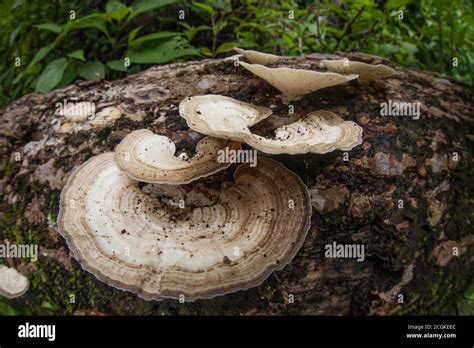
pixel 33 70
pixel 206 51
pixel 41 54
pixel 154 36
pixel 409 46
pixel 469 293
pixel 18 78
pixel 47 304
pixel 69 76
pixel 14 35
pixel 226 47
pixel 223 5
pixel 148 5
pixel 95 20
pixel 388 48
pixel 91 22
pixel 163 53
pixel 118 65
pixel 79 54
pixel 191 31
pixel 114 5
pixel 55 28
pixel 247 43
pixel 51 75
pixel 204 7
pixel 119 14
pixel 133 34
pixel 93 71
pixel 220 26
pixel 134 69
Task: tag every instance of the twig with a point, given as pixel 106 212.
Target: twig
pixel 368 34
pixel 214 35
pixel 346 29
pixel 440 33
pixel 321 44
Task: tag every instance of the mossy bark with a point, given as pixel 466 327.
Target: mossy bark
pixel 405 193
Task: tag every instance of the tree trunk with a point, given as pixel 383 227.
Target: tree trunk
pixel 404 193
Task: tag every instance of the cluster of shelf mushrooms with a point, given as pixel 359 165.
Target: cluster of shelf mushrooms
pixel 130 239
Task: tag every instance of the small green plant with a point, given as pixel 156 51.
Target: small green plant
pixel 112 41
pixel 217 16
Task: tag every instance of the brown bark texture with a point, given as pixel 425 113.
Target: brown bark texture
pixel 405 193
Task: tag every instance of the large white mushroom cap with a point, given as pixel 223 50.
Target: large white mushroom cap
pixel 295 83
pixel 129 240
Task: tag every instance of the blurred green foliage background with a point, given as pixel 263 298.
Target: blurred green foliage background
pixel 46 44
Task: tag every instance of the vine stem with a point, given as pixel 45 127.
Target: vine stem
pixel 347 27
pixel 320 39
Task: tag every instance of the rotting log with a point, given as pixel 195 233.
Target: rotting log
pixel 405 193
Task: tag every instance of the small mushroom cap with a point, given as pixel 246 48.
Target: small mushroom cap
pixel 318 132
pixel 126 239
pixel 294 83
pixel 256 57
pixel 12 283
pixel 365 71
pixel 150 158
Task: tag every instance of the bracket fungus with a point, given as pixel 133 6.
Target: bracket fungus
pixel 365 71
pixel 126 239
pixel 318 132
pixel 295 83
pixel 12 283
pixel 150 158
pixel 227 115
pixel 256 57
pixel 134 237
